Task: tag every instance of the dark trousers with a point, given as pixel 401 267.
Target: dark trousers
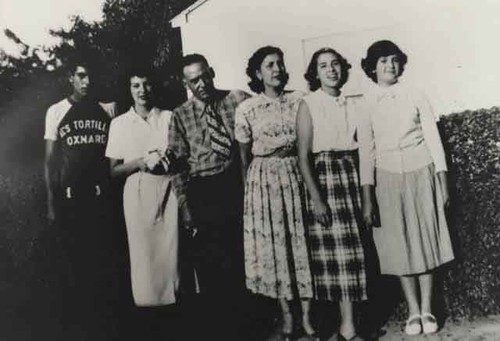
pixel 216 253
pixel 89 285
pixel 216 203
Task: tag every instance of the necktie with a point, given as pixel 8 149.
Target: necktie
pixel 219 137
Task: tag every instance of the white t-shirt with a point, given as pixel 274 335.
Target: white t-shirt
pixel 131 136
pixel 56 113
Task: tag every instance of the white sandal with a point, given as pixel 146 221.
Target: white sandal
pixel 412 328
pixel 429 325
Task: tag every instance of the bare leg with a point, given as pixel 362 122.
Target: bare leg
pixel 347 328
pixel 286 315
pixel 306 323
pixel 409 285
pixel 425 281
pixel 429 322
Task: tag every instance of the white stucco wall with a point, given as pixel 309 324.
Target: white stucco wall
pixel 452 45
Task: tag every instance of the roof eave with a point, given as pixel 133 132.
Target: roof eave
pixel 183 17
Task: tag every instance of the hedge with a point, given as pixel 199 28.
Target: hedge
pixel 472 142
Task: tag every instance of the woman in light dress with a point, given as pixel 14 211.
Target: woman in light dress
pixel 276 256
pixel 402 157
pixel 137 149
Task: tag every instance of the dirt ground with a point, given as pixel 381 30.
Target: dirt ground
pixel 482 329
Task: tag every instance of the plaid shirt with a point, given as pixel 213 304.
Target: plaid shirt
pixel 189 138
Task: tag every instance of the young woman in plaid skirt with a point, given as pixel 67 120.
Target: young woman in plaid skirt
pixel 326 127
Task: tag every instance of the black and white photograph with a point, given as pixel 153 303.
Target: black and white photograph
pixel 249 170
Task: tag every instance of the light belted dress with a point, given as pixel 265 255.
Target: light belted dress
pixel 276 256
pixel 150 208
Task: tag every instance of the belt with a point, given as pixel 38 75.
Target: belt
pixel 338 154
pixel 281 153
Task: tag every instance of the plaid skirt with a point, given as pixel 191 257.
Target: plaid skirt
pixel 276 255
pixel 337 256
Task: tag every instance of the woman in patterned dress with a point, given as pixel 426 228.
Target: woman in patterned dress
pixel 404 162
pixel 326 128
pixel 276 258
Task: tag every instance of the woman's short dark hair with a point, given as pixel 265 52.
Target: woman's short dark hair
pixel 141 72
pixel 382 48
pixel 311 74
pixel 254 64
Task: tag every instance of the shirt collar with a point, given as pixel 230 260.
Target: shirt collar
pixel 340 99
pixel 200 106
pixel 392 91
pixel 282 98
pixel 152 113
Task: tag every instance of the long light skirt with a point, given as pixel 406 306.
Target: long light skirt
pixel 276 256
pixel 413 237
pixel 151 216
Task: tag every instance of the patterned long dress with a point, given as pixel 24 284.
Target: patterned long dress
pixel 276 256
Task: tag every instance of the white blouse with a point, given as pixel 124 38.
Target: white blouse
pixel 334 121
pixel 398 133
pixel 131 136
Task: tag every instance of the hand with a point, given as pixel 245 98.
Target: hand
pixel 141 165
pixel 152 159
pixel 51 215
pixel 187 220
pixel 322 213
pixel 368 214
pixel 443 183
pixel 368 205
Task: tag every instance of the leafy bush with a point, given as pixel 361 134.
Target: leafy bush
pixel 472 142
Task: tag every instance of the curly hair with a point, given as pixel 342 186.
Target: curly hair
pixel 141 71
pixel 254 64
pixel 382 48
pixel 311 74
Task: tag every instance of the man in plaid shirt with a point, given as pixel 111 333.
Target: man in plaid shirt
pixel 209 189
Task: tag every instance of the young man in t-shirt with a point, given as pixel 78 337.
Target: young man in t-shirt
pixel 76 176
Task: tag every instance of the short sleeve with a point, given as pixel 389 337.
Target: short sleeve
pixel 114 149
pixel 242 129
pixel 109 108
pixel 55 114
pixel 51 123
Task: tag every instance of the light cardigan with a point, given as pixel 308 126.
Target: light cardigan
pixel 397 132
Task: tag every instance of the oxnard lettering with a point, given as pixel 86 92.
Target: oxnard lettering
pixel 86 139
